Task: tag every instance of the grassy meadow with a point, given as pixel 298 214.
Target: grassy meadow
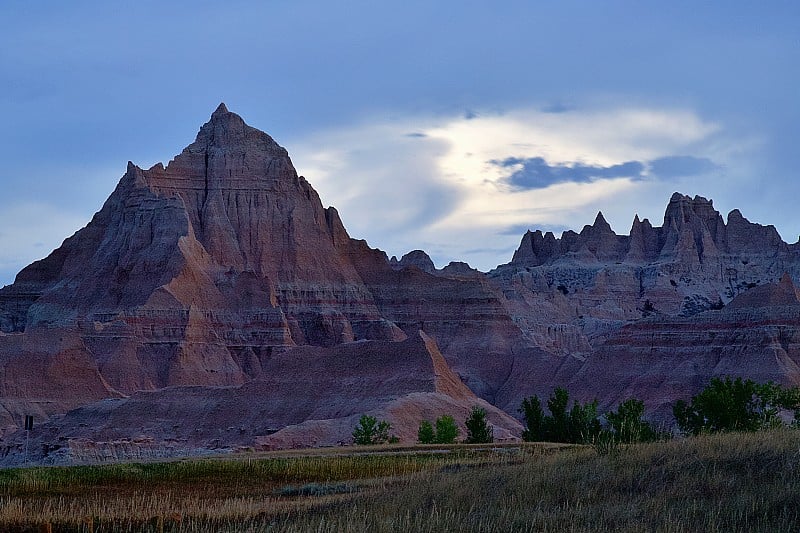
pixel 727 482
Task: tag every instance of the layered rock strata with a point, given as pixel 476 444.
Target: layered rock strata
pixel 217 287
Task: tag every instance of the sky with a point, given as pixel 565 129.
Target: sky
pixel 449 126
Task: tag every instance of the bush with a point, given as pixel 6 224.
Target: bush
pixel 578 425
pixel 445 433
pixel 478 430
pixel 626 424
pixel 425 433
pixel 370 431
pixel 446 430
pixel 735 405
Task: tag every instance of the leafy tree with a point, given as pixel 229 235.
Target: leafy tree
pixel 446 430
pixel 478 430
pixel 735 405
pixel 626 424
pixel 583 425
pixel 533 414
pixel 577 425
pixel 557 429
pixel 370 431
pixel 425 433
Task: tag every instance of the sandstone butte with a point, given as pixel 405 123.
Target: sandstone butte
pixel 214 304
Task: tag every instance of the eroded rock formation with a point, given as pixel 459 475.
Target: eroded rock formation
pixel 214 303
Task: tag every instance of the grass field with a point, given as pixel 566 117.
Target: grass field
pixel 734 482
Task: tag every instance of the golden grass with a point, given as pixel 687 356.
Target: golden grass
pixel 735 482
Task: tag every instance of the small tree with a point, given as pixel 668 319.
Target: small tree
pixel 584 425
pixel 557 428
pixel 478 430
pixel 577 425
pixel 735 405
pixel 533 414
pixel 370 431
pixel 425 433
pixel 446 430
pixel 627 425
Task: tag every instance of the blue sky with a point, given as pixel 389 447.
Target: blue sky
pixel 445 126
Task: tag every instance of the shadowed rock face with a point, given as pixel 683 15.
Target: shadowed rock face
pixel 219 284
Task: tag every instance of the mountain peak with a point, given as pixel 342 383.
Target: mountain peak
pixel 221 109
pixel 600 222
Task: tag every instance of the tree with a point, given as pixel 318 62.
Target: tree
pixel 583 424
pixel 478 430
pixel 557 428
pixel 533 414
pixel 577 425
pixel 626 424
pixel 735 405
pixel 446 430
pixel 425 433
pixel 370 431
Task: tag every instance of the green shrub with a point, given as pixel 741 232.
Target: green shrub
pixel 577 425
pixel 735 405
pixel 446 430
pixel 425 433
pixel 626 424
pixel 370 431
pixel 478 430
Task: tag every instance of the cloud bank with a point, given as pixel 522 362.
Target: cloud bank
pixel 466 187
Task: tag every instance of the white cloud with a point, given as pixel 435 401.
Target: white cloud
pixel 429 182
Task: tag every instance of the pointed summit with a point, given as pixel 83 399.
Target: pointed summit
pixel 600 222
pixel 227 148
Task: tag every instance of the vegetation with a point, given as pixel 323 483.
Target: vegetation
pixel 445 432
pixel 205 495
pixel 426 434
pixel 478 430
pixel 579 425
pixel 732 482
pixel 626 424
pixel 735 405
pixel 722 482
pixel 370 431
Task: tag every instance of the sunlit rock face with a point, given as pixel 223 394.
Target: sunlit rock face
pixel 219 284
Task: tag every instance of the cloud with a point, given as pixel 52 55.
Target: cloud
pixel 535 173
pixel 557 107
pixel 462 186
pixel 681 165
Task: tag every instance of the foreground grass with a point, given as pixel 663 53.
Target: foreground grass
pixel 735 482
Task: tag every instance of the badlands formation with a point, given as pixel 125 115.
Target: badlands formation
pixel 214 304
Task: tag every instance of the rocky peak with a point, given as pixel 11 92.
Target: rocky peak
pixel 683 209
pixel 418 259
pixel 600 223
pixel 745 237
pixel 692 226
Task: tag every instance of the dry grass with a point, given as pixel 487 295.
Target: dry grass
pixel 737 482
